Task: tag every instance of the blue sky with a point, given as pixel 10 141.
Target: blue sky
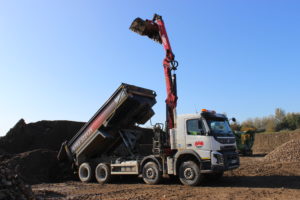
pixel 60 60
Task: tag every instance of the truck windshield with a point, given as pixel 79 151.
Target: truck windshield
pixel 219 127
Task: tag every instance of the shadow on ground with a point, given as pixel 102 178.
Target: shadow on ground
pixel 289 182
pixel 255 155
pixel 46 194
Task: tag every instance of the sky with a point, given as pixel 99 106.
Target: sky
pixel 61 60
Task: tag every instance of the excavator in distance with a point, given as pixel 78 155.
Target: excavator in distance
pixel 191 147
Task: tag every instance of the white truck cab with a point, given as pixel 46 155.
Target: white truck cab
pixel 208 138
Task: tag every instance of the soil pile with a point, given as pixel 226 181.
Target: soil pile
pixel 264 143
pixel 31 150
pixel 38 166
pixel 40 135
pixel 12 186
pixel 287 152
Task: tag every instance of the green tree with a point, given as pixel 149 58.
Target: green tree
pixel 291 121
pixel 279 115
pixel 279 121
pixel 271 125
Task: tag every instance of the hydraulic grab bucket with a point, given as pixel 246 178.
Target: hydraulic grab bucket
pixel 147 28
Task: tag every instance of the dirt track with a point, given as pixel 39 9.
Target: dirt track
pixel 254 180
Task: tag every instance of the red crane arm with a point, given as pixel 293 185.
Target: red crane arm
pixel 155 29
pixel 170 66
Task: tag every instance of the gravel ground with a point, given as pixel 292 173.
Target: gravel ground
pixel 255 179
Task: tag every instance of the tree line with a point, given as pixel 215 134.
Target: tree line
pixel 280 120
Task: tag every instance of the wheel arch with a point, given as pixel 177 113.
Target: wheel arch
pixel 183 156
pixel 153 159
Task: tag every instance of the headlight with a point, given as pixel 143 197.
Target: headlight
pixel 219 159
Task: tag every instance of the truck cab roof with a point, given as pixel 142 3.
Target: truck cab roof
pixel 202 114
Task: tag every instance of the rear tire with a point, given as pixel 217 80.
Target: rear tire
pixel 85 172
pixel 151 173
pixel 102 173
pixel 189 173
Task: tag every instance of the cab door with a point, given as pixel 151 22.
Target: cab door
pixel 196 138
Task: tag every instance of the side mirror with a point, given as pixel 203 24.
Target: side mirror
pixel 202 132
pixel 233 119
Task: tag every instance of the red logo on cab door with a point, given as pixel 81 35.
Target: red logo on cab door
pixel 199 143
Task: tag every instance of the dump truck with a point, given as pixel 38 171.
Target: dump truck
pixel 190 146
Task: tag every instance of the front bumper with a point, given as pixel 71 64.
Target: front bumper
pixel 223 161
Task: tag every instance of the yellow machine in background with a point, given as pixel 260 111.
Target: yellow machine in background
pixel 245 141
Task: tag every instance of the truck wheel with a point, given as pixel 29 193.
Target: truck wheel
pixel 102 173
pixel 151 173
pixel 85 172
pixel 189 173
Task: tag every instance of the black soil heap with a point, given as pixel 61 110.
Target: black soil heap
pixel 40 135
pixel 12 187
pixel 30 150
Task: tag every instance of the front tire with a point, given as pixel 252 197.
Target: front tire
pixel 189 173
pixel 151 173
pixel 102 173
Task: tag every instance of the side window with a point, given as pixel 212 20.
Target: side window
pixel 194 127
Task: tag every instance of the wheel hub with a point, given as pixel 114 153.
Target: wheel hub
pixel 102 173
pixel 189 173
pixel 150 173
